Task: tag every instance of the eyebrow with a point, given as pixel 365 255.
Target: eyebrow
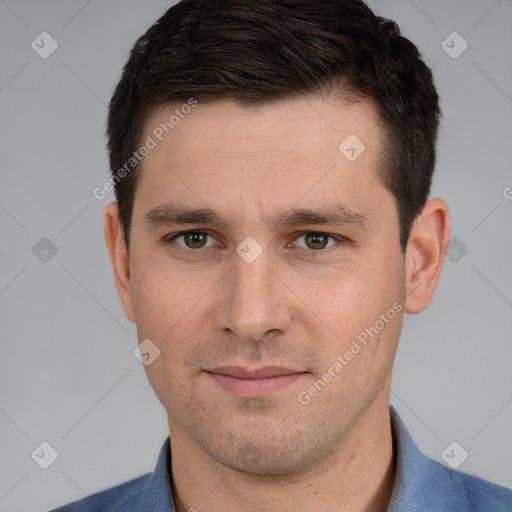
pixel 340 215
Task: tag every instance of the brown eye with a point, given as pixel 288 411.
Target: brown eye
pixel 316 241
pixel 192 242
pixel 195 239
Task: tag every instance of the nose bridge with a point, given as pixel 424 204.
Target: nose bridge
pixel 256 301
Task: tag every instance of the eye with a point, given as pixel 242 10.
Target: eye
pixel 192 239
pixel 195 240
pixel 316 241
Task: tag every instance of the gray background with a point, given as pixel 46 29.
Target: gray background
pixel 67 372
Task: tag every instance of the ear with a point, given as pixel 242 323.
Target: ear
pixel 425 254
pixel 119 258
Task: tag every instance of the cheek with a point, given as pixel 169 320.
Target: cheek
pixel 163 304
pixel 164 312
pixel 171 310
pixel 343 294
pixel 153 302
pixel 347 303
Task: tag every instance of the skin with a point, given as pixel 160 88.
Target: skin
pixel 298 305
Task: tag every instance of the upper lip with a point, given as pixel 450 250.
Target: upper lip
pixel 254 373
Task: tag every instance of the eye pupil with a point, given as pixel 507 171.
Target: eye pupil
pixel 316 240
pixel 195 239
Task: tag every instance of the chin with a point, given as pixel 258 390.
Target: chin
pixel 275 452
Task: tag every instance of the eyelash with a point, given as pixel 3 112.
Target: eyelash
pixel 195 252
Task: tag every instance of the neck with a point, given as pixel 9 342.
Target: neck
pixel 358 476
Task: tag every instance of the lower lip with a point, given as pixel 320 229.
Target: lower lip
pixel 251 388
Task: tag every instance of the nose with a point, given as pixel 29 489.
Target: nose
pixel 254 302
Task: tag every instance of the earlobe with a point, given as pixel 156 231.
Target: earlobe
pixel 119 258
pixel 425 254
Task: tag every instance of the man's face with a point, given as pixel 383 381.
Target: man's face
pixel 212 302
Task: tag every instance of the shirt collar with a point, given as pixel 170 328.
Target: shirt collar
pixel 158 493
pixel 414 471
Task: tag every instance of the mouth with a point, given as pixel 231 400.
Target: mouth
pixel 254 383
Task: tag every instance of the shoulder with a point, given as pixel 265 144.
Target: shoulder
pixel 149 491
pixel 472 494
pixel 423 484
pixel 437 488
pixel 122 497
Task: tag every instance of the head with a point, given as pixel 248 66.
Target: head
pixel 278 213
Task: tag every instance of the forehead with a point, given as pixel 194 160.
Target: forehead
pixel 306 126
pixel 306 147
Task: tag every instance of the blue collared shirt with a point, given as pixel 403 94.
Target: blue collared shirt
pixel 421 485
